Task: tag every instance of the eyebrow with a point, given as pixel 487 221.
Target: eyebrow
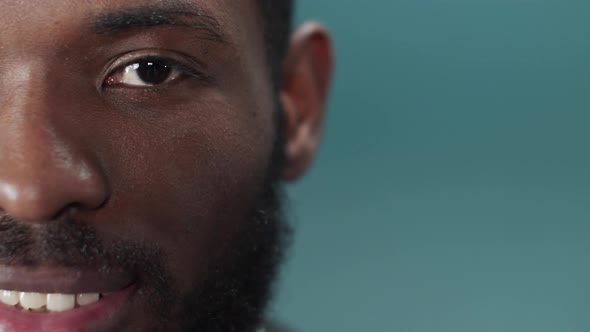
pixel 177 13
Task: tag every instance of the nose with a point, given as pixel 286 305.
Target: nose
pixel 43 174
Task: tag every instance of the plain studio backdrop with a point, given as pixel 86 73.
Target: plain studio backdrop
pixel 452 190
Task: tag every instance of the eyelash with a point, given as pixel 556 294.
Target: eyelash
pixel 184 70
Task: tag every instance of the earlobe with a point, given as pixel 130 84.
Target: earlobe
pixel 306 79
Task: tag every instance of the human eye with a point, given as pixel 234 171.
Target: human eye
pixel 148 71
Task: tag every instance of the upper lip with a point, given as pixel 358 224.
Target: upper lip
pixel 48 279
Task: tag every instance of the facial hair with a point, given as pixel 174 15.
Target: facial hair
pixel 231 297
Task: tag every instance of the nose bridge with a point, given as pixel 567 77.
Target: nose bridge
pixel 43 170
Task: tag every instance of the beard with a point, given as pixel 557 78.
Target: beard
pixel 238 288
pixel 231 297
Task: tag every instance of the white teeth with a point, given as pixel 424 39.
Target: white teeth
pixel 32 300
pixel 60 302
pixel 9 297
pixel 40 302
pixel 86 299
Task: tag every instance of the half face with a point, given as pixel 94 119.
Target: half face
pixel 136 141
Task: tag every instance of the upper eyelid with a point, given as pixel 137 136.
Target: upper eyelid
pixel 180 60
pixel 172 62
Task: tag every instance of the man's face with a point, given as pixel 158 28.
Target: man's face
pixel 138 143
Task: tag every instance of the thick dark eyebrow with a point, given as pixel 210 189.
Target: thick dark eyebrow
pixel 177 13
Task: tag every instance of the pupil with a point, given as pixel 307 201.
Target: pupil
pixel 153 71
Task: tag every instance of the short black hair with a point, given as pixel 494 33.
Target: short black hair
pixel 278 16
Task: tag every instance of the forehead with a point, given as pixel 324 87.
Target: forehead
pixel 33 21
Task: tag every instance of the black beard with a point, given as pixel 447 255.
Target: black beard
pixel 232 297
pixel 235 294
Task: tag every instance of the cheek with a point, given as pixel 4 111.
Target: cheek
pixel 188 182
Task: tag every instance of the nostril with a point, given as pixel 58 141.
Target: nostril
pixel 43 207
pixel 73 209
pixel 30 196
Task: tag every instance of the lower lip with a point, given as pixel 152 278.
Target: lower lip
pixel 102 315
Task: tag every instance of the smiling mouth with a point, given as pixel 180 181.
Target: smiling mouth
pixel 62 299
pixel 48 302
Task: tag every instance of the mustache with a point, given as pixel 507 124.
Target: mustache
pixel 67 242
pixel 71 243
pixel 63 242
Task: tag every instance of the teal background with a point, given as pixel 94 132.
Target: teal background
pixel 452 189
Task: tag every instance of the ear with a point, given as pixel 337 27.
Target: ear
pixel 307 72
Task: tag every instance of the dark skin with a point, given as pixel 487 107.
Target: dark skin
pixel 178 165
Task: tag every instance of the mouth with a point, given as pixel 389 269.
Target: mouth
pixel 50 302
pixel 52 299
